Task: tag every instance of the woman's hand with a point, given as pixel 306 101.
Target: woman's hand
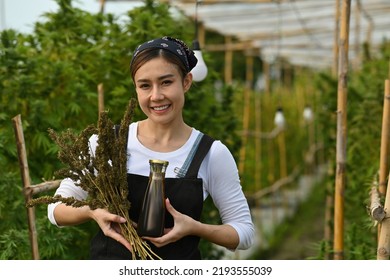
pixel 182 226
pixel 109 224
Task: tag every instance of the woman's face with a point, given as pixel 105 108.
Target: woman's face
pixel 160 90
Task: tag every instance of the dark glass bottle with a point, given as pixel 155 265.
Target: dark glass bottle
pixel 152 216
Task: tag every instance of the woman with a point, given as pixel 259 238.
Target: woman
pixel 198 167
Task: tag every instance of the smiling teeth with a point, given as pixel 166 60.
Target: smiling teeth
pixel 160 108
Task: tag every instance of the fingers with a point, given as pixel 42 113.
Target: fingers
pixel 169 207
pixel 158 241
pixel 110 225
pixel 118 219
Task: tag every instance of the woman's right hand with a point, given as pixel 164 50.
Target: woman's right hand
pixel 109 224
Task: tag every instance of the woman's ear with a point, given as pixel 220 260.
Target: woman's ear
pixel 187 82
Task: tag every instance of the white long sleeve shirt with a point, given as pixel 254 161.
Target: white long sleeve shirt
pixel 218 172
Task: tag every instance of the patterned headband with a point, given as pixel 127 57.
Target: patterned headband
pixel 175 46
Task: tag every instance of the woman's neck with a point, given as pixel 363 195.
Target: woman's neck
pixel 163 138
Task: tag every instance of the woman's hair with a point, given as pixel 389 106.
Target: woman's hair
pixel 151 53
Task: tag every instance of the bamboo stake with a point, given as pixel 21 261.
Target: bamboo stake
pixel 383 251
pixel 24 171
pixel 336 38
pixel 102 5
pixel 42 187
pixel 384 227
pixel 282 154
pixel 384 152
pixel 245 121
pixel 258 141
pixel 338 246
pixel 271 158
pixel 247 91
pixel 376 209
pixel 228 62
pixel 358 12
pixel 267 78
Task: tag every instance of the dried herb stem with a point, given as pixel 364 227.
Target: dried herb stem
pixel 102 175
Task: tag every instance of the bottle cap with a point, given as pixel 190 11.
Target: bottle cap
pixel 159 161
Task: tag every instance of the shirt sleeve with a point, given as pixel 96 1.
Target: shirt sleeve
pixel 67 188
pixel 226 191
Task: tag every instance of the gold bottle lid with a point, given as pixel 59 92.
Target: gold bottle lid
pixel 159 161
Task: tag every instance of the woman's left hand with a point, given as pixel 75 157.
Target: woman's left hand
pixel 182 226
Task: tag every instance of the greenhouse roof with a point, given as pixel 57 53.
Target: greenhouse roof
pixel 300 31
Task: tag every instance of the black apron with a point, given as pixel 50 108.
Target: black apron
pixel 186 196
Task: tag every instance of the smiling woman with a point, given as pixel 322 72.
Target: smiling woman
pixel 199 166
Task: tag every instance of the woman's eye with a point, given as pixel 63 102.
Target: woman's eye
pixel 143 86
pixel 167 82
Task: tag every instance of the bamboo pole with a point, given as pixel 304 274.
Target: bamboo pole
pixel 384 152
pixel 376 209
pixel 267 78
pixel 24 171
pixel 383 251
pixel 384 234
pixel 228 62
pixel 102 4
pixel 246 113
pixel 282 154
pixel 336 38
pixel 258 140
pixel 358 13
pixel 338 246
pixel 201 34
pixel 43 187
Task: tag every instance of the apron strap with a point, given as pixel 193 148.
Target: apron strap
pixel 182 171
pixel 201 152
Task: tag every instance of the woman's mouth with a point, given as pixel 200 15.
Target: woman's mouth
pixel 160 108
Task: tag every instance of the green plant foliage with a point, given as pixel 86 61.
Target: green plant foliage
pixel 364 123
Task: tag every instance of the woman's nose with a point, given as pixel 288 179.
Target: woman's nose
pixel 156 94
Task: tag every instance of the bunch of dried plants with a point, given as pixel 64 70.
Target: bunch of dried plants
pixel 103 175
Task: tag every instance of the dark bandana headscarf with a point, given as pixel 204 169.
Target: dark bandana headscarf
pixel 175 46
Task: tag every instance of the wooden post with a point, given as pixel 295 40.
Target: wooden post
pixel 201 34
pixel 384 228
pixel 384 152
pixel 246 111
pixel 228 61
pixel 282 154
pixel 267 78
pixel 341 145
pixel 271 161
pixel 258 140
pixel 246 114
pixel 24 171
pixel 102 5
pixel 336 38
pixel 358 12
